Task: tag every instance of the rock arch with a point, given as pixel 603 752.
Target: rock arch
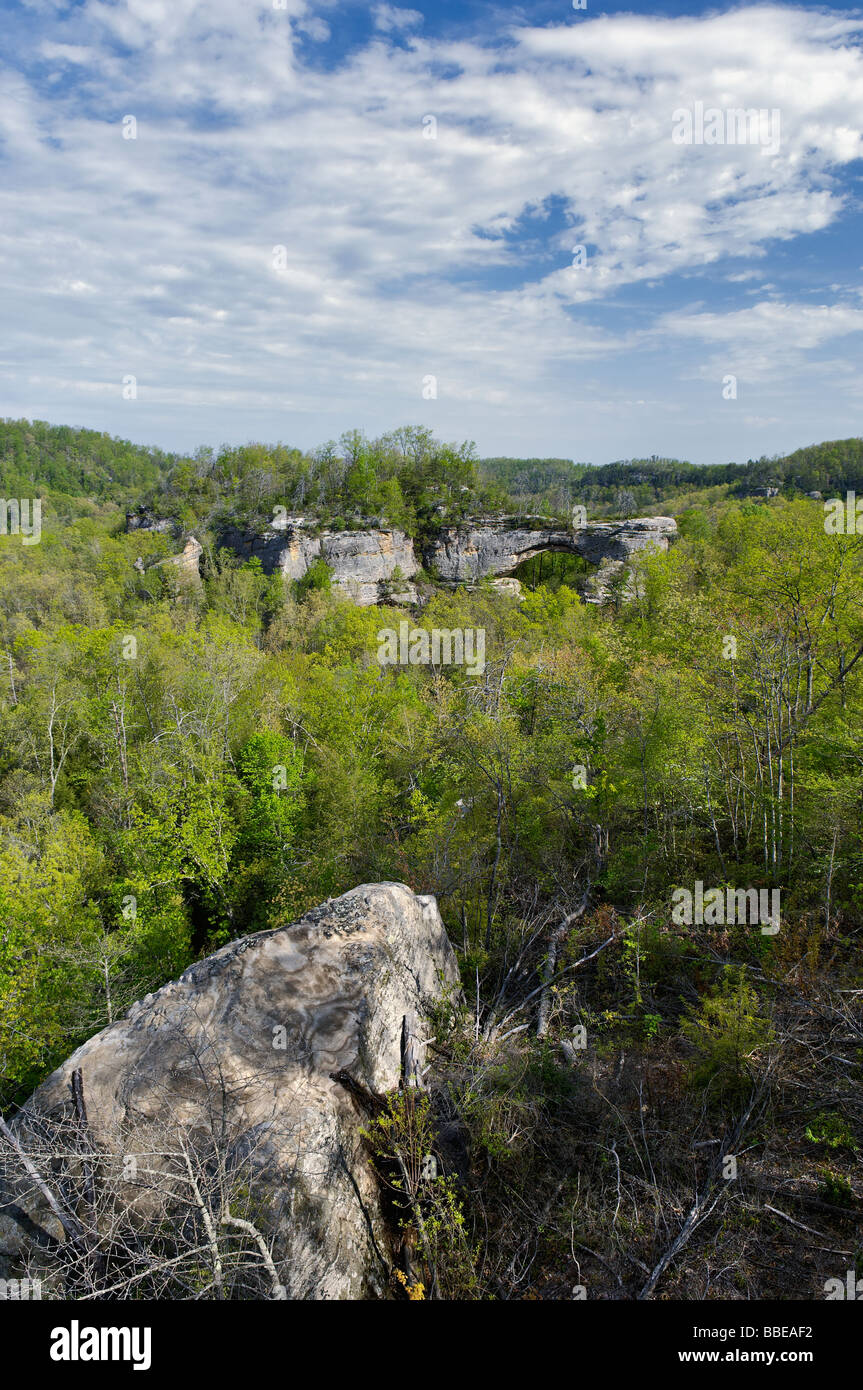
pixel 495 547
pixel 377 564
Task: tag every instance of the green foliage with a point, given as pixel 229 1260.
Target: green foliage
pixel 405 479
pixel 729 1035
pixel 317 579
pixel 835 1189
pixel 73 957
pixel 271 772
pixel 832 1130
pixel 180 765
pixel 74 462
pixel 426 1204
pixel 553 486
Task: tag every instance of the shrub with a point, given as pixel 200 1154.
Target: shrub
pixel 727 1032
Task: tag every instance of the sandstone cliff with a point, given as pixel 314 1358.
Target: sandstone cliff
pixel 377 564
pixel 497 546
pixel 362 562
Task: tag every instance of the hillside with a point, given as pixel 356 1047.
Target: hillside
pixel 75 462
pixel 638 486
pixel 191 756
pixel 406 477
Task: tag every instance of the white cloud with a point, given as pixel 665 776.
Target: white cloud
pixel 68 52
pixel 803 325
pixel 765 343
pixel 391 17
pixel 394 240
pixel 316 28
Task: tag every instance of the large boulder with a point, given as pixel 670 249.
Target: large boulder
pixel 226 1073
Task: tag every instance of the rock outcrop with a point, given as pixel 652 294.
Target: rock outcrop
pixel 367 566
pixel 363 562
pixel 188 560
pixel 234 1060
pixel 376 565
pixel 509 586
pixel 142 520
pixel 497 546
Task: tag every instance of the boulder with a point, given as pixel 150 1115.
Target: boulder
pixel 509 586
pixel 232 1064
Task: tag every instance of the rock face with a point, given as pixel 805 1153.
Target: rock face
pixel 188 559
pixel 376 565
pixel 363 563
pixel 242 1045
pixel 497 546
pixel 143 520
pixel 610 546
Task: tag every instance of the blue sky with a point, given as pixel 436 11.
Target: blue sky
pixel 282 252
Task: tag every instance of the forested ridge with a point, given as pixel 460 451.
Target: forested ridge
pixel 642 485
pixel 703 727
pixel 407 477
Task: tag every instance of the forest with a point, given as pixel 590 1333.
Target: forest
pixel 701 728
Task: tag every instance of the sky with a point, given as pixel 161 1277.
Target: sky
pixel 276 220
